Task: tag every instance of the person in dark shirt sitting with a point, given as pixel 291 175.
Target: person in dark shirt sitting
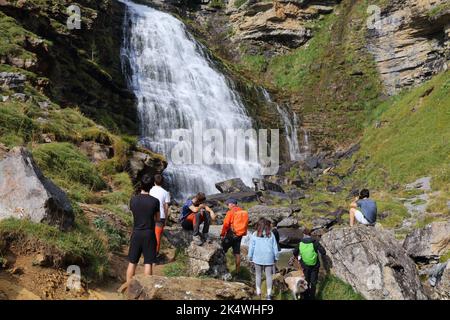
pixel 145 209
pixel 363 209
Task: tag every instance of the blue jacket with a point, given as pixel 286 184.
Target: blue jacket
pixel 263 250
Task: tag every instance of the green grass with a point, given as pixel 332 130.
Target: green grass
pixel 244 273
pixel 445 257
pixel 412 144
pixel 69 168
pixel 16 127
pixel 116 238
pixel 80 243
pixel 218 4
pixel 396 212
pixel 178 268
pixel 435 11
pixel 333 288
pixel 239 3
pixel 123 189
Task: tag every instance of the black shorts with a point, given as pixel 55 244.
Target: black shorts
pixel 142 242
pixel 232 242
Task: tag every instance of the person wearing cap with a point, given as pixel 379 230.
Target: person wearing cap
pixel 235 226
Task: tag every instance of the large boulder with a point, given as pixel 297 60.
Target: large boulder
pixel 206 260
pixel 264 185
pixel 177 236
pixel 274 214
pixel 143 162
pixel 373 263
pixel 186 288
pixel 26 194
pixel 290 237
pixel 430 242
pixel 232 185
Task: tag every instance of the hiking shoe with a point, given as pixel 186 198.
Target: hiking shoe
pixel 268 297
pixel 197 240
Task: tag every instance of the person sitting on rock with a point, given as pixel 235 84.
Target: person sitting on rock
pixel 263 253
pixel 234 227
pixel 363 209
pixel 195 212
pixel 307 253
pixel 145 209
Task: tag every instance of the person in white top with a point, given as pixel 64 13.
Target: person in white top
pixel 163 196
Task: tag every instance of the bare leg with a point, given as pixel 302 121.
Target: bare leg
pixel 130 272
pixel 148 269
pixel 352 216
pixel 238 262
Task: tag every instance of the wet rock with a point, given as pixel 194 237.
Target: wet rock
pixel 264 185
pixel 290 237
pixel 373 263
pixel 206 260
pixel 26 194
pixel 272 213
pixel 430 242
pixel 186 288
pixel 232 186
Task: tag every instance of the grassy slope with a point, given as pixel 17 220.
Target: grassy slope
pixel 414 138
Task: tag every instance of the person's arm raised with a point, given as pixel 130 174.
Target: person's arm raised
pixel 211 212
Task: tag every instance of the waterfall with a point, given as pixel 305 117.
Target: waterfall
pixel 290 122
pixel 178 87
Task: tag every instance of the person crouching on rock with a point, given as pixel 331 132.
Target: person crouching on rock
pixel 234 227
pixel 193 213
pixel 307 253
pixel 263 252
pixel 363 209
pixel 145 209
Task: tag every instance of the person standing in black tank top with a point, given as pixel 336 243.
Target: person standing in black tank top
pixel 145 210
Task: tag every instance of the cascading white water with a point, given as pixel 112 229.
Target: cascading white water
pixel 290 121
pixel 176 85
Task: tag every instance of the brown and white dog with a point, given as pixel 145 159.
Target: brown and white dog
pixel 296 282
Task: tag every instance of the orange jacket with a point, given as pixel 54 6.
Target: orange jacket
pixel 227 221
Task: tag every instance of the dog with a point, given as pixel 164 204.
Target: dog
pixel 296 282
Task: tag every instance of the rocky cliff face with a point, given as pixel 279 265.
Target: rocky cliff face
pixel 410 41
pixel 276 26
pixel 75 67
